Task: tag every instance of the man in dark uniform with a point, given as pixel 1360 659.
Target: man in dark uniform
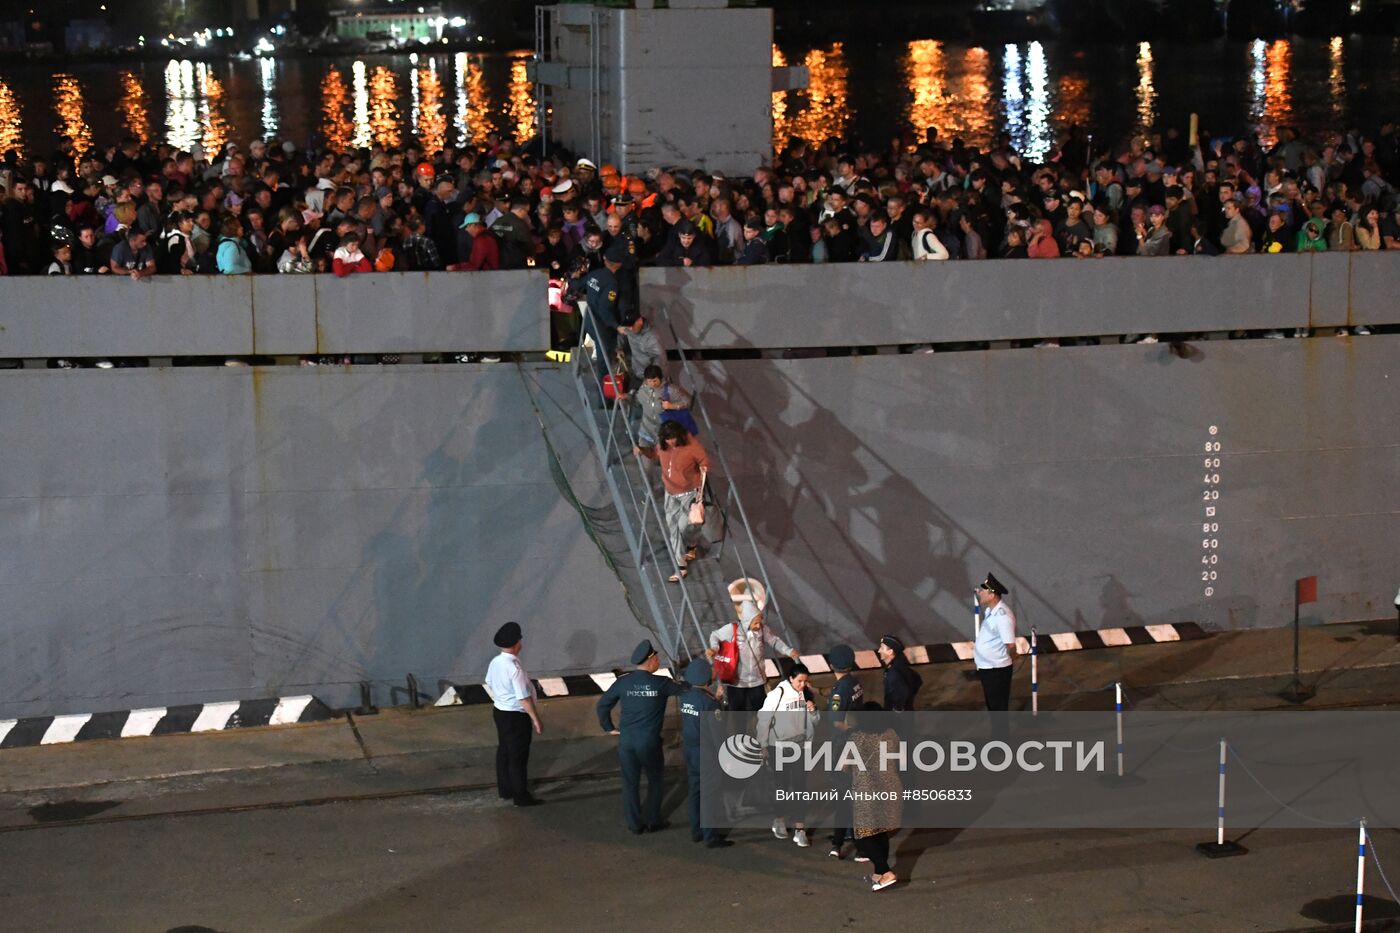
pixel 901 683
pixel 695 704
pixel 603 319
pixel 644 695
pixel 846 694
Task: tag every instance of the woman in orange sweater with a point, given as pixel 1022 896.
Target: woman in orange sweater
pixel 684 466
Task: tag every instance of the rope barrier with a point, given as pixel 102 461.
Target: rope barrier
pixel 1376 859
pixel 1270 794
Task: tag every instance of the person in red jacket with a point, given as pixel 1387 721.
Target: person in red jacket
pixel 486 252
pixel 348 258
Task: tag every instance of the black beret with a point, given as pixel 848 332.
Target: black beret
pixel 507 635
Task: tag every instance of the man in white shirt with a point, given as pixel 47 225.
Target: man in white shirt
pixel 515 713
pixel 995 648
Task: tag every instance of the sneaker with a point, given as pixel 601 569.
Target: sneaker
pixel 877 885
pixel 1361 330
pixel 104 364
pixel 234 364
pixel 463 358
pixel 800 838
pixel 65 364
pixel 1273 335
pixel 780 829
pixel 835 852
pixel 1301 332
pixel 490 358
pixel 1048 343
pixel 1150 338
pixel 861 858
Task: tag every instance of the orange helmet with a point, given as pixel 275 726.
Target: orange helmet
pixel 636 186
pixel 608 169
pixel 611 184
pixel 426 169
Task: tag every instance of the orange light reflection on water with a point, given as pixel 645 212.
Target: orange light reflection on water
pixel 925 73
pixel 135 107
pixel 821 110
pixel 779 106
pixel 520 102
pixel 383 107
pixel 432 122
pixel 1336 78
pixel 953 95
pixel 215 126
pixel 68 104
pixel 1278 98
pixel 11 122
pixel 478 105
pixel 335 96
pixel 978 116
pixel 1146 89
pixel 1073 100
pixel 1270 78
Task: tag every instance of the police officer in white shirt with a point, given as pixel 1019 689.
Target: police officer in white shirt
pixel 515 713
pixel 995 648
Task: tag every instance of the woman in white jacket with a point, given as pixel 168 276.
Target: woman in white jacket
pixel 788 716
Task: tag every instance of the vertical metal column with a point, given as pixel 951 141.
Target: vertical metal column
pixel 541 56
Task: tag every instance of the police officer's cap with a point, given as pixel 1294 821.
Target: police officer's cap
pixel 623 198
pixel 617 250
pixel 993 584
pixel 507 635
pixel 892 643
pixel 697 672
pixel 643 651
pixel 842 658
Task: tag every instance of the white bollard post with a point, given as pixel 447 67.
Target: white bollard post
pixel 1360 873
pixel 1035 679
pixel 1220 803
pixel 1118 709
pixel 1220 848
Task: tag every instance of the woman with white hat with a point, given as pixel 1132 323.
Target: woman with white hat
pixel 753 639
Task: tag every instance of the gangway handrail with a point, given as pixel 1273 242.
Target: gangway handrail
pixel 638 542
pixel 698 402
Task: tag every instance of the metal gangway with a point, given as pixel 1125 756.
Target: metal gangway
pixel 682 614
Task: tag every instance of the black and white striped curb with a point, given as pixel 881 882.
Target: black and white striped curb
pixel 595 684
pixel 162 720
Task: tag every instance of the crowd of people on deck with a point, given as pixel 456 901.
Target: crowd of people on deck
pixel 143 208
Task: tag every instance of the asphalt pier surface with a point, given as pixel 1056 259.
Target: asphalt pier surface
pixel 388 823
